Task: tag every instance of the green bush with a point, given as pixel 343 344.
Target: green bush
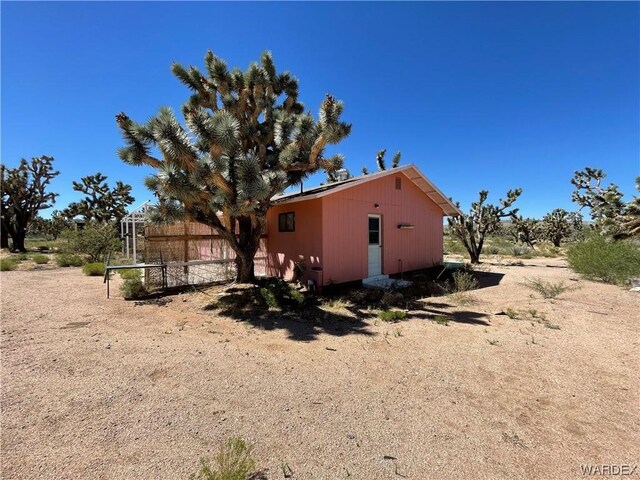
pixel 233 462
pixel 278 294
pixel 96 240
pixel 609 261
pixel 40 259
pixel 441 319
pixel 7 264
pixel 21 257
pixel 69 260
pixel 392 315
pixel 94 269
pixel 130 273
pixel 133 288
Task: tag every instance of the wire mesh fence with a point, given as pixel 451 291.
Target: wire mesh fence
pixel 193 254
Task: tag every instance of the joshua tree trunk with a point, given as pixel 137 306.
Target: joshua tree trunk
pixel 18 240
pixel 248 244
pixel 4 237
pixel 244 269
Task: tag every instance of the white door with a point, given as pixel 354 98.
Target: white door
pixel 375 245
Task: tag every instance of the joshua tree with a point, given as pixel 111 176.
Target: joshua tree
pixel 101 202
pixel 395 161
pixel 247 139
pixel 525 230
pixel 50 227
pixel 605 204
pixel 380 159
pixel 6 215
pixel 630 221
pixel 559 224
pixel 483 219
pixel 24 194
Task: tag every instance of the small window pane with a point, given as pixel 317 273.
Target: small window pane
pixel 287 222
pixel 374 237
pixel 398 183
pixel 374 223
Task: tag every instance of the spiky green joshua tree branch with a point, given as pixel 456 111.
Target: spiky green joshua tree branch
pixel 247 138
pixel 483 219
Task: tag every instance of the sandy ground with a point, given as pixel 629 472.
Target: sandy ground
pixel 105 389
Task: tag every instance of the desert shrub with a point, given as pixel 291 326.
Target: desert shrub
pixel 335 304
pixel 441 319
pixel 392 298
pixel 130 273
pixel 491 250
pixel 512 314
pixel 94 269
pixel 69 260
pixel 392 315
pixel 523 251
pixel 461 281
pixel 462 299
pixel 233 462
pixel 367 296
pixel 7 264
pixel 547 250
pixel 133 288
pixel 278 294
pixel 40 259
pixel 598 258
pixel 96 240
pixel 547 289
pixel 21 257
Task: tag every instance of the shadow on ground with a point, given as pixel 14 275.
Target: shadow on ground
pixel 302 323
pixel 488 279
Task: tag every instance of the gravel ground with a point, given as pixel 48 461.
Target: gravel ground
pixel 107 389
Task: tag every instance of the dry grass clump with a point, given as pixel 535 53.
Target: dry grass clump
pixel 547 289
pixel 7 264
pixel 233 462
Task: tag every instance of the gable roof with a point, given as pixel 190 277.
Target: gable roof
pixel 410 171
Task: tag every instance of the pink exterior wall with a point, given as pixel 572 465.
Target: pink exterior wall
pixel 305 243
pixel 332 232
pixel 345 232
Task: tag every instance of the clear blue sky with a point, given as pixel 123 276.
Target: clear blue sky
pixel 478 95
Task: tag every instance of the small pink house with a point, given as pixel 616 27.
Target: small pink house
pixel 378 224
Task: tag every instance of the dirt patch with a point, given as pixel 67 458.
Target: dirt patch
pixel 97 388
